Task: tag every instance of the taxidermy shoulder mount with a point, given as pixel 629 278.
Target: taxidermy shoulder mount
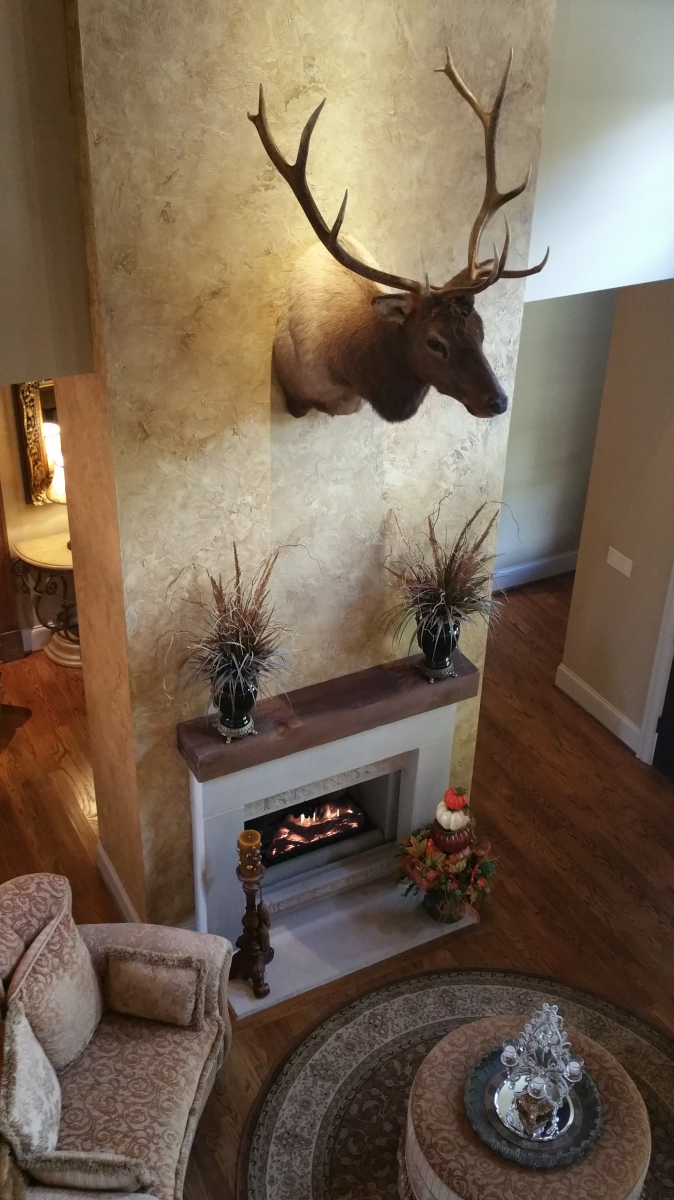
pixel 343 338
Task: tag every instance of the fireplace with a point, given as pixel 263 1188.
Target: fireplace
pixel 303 828
pixel 340 771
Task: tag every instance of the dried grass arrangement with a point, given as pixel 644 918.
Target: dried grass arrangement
pixel 441 583
pixel 240 647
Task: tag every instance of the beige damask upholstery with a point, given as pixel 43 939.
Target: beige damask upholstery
pixel 163 987
pixel 56 982
pixel 130 1085
pixel 51 1193
pixel 136 1089
pixel 27 905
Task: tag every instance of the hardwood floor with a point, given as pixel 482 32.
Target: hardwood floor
pixel 583 833
pixel 585 841
pixel 47 804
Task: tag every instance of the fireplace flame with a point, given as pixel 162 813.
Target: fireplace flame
pixel 326 813
pixel 324 824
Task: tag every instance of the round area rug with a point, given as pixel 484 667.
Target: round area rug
pixel 329 1125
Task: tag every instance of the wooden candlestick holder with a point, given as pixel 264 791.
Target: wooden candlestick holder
pixel 254 950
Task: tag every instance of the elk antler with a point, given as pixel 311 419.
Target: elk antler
pixel 474 275
pixel 477 276
pixel 295 175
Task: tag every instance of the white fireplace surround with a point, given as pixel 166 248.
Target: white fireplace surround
pixel 336 918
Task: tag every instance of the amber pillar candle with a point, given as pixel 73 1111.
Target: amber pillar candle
pixel 249 852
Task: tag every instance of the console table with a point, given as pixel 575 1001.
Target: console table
pixel 45 566
pixel 443 1159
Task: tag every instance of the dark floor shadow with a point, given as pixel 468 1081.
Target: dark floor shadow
pixel 12 717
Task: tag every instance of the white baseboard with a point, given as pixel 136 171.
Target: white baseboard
pixel 598 707
pixel 538 568
pixel 115 886
pixel 35 638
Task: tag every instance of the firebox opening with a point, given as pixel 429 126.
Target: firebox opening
pixel 377 796
pixel 309 826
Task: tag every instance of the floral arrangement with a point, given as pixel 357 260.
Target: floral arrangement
pixel 456 877
pixel 451 583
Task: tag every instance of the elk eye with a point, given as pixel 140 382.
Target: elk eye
pixel 437 347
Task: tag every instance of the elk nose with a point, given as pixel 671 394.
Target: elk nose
pixel 498 404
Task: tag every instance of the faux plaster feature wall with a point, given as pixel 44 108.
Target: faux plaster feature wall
pixel 195 236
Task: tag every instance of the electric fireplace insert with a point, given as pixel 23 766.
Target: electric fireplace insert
pixel 308 826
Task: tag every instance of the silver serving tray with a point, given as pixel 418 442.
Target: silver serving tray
pixel 487 1100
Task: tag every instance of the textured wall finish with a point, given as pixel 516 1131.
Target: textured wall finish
pixel 195 236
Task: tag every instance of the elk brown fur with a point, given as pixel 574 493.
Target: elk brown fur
pixel 344 339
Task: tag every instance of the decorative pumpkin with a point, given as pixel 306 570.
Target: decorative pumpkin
pixel 456 798
pixel 452 820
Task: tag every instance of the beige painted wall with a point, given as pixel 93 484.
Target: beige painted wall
pixel 44 308
pixel 194 237
pixel 558 387
pixel 615 621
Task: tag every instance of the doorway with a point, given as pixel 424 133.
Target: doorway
pixel 49 819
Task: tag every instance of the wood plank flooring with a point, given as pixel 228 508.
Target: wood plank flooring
pixel 584 836
pixel 47 804
pixel 583 833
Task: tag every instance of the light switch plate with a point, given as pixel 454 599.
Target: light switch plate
pixel 615 559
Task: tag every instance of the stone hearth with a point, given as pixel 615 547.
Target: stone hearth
pixel 384 735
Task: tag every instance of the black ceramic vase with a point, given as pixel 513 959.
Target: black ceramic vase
pixel 438 644
pixel 234 708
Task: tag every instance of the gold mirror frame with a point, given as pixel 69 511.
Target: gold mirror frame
pixel 37 476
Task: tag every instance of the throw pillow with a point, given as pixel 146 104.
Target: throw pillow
pixel 30 1093
pixel 160 987
pixel 59 989
pixel 11 950
pixel 93 1171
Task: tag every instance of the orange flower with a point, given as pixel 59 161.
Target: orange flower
pixel 429 881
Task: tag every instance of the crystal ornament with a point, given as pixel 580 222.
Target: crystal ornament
pixel 534 1099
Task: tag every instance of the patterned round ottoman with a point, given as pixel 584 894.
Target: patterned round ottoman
pixel 445 1160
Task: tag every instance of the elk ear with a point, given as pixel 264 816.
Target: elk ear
pixel 393 308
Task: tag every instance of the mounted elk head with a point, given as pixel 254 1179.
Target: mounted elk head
pixel 343 338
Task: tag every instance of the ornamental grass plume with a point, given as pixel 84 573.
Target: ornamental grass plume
pixel 241 643
pixel 452 583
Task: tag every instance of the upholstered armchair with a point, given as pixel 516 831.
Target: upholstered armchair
pixel 113 1036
